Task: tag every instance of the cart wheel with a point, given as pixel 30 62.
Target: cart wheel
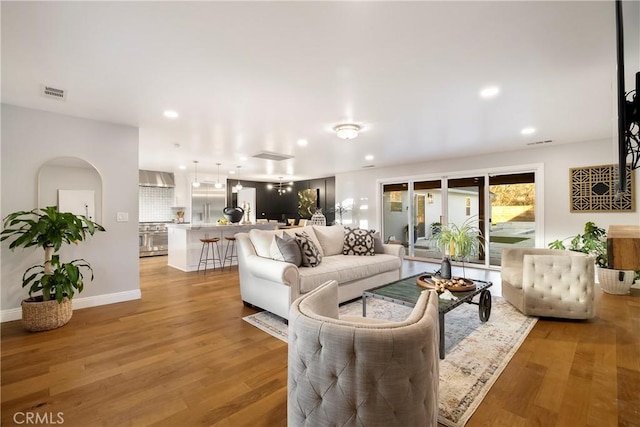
pixel 484 308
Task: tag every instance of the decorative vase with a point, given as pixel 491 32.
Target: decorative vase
pixel 318 218
pixel 445 269
pixel 39 315
pixel 233 214
pixel 617 282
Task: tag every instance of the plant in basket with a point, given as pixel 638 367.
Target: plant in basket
pixel 55 281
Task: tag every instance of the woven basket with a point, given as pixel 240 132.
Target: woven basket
pixel 45 315
pixel 610 280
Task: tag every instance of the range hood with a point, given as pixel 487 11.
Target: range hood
pixel 156 179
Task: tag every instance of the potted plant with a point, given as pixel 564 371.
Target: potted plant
pixel 594 242
pixel 459 242
pixel 55 281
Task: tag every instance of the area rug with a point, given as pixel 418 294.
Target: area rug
pixel 476 353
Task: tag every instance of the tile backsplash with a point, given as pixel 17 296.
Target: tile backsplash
pixel 155 204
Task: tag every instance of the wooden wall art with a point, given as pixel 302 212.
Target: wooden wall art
pixel 593 190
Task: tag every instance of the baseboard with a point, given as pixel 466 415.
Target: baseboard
pixel 80 303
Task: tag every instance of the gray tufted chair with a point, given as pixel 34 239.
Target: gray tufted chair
pixel 358 371
pixel 549 282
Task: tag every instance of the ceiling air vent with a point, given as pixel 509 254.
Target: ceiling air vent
pixel 540 142
pixel 53 93
pixel 266 155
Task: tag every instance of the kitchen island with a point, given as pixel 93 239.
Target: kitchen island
pixel 185 245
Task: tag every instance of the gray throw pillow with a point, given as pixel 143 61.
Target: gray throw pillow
pixel 377 243
pixel 286 249
pixel 311 256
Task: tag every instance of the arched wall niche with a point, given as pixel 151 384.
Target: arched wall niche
pixel 72 184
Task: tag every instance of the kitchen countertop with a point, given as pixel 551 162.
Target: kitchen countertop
pixel 205 226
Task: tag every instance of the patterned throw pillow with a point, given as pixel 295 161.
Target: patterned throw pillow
pixel 311 256
pixel 358 242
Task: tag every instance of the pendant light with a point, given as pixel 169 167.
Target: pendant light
pixel 196 183
pixel 238 185
pixel 218 184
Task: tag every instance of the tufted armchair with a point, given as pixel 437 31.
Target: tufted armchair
pixel 359 371
pixel 549 282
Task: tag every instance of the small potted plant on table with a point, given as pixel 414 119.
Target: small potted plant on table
pixel 55 281
pixel 459 242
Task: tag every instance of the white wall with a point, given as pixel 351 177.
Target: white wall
pixel 30 138
pixel 559 222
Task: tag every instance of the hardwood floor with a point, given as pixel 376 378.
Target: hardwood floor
pixel 182 356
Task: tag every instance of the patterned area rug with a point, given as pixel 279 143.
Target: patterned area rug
pixel 476 353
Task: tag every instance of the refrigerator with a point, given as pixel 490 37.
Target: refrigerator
pixel 207 203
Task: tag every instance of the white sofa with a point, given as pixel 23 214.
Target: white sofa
pixel 273 285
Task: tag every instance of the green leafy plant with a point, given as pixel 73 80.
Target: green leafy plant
pixel 64 279
pixel 460 242
pixel 49 229
pixel 592 242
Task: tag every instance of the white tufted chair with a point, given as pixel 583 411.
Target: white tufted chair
pixel 549 282
pixel 358 371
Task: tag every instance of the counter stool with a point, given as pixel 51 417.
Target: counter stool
pixel 230 255
pixel 204 253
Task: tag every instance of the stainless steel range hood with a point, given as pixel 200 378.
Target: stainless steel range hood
pixel 156 179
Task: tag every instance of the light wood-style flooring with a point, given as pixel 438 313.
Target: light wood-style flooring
pixel 183 356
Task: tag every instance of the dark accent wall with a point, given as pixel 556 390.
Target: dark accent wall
pixel 269 205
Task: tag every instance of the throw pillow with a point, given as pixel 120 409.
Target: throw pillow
pixel 311 256
pixel 377 243
pixel 358 242
pixel 286 249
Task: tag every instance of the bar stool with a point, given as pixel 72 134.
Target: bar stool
pixel 206 244
pixel 231 241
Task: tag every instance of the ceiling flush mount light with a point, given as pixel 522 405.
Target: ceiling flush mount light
pixel 302 142
pixel 196 184
pixel 238 186
pixel 347 131
pixel 218 184
pixel 170 114
pixel 528 131
pixel 489 92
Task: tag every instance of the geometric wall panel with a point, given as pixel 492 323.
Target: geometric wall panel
pixel 593 190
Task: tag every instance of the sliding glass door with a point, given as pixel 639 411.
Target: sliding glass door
pixel 395 213
pixel 427 218
pixel 466 204
pixel 513 220
pixel 502 206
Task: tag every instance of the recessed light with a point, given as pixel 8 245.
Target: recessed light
pixel 368 157
pixel 302 142
pixel 489 92
pixel 243 158
pixel 528 131
pixel 182 167
pixel 232 172
pixel 170 114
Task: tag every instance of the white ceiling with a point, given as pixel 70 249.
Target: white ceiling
pixel 252 77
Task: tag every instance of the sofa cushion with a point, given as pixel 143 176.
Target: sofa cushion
pixel 262 239
pixel 358 242
pixel 286 249
pixel 331 238
pixel 311 256
pixel 346 268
